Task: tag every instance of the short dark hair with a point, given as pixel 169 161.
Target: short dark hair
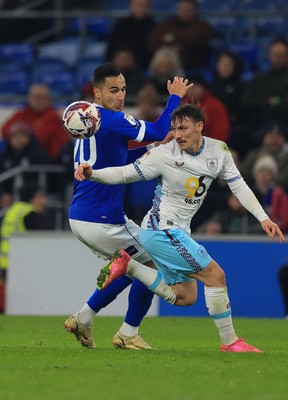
pixel 190 111
pixel 104 71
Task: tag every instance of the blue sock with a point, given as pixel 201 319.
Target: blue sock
pixel 101 298
pixel 140 299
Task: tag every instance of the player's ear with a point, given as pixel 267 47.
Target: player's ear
pixel 96 93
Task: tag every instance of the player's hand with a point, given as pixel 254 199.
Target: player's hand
pixel 178 86
pixel 82 172
pixel 272 230
pixel 166 140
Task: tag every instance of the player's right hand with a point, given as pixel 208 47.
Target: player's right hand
pixel 82 172
pixel 179 86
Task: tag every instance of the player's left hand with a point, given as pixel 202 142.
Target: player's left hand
pixel 82 172
pixel 272 230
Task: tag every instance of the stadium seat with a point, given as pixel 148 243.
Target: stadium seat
pixel 219 5
pixel 14 82
pixel 65 51
pixel 55 74
pixel 264 5
pixel 98 27
pixel 224 28
pixel 265 25
pixel 248 51
pixel 94 51
pixel 85 70
pixel 19 53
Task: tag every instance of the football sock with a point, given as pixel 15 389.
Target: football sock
pixel 218 306
pixel 101 298
pixel 128 330
pixel 152 279
pixel 86 315
pixel 139 302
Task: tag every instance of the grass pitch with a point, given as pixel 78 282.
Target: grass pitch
pixel 40 360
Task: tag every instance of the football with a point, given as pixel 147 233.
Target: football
pixel 81 119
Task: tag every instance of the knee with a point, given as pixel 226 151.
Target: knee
pixel 188 299
pixel 216 276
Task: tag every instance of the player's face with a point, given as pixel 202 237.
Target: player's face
pixel 188 134
pixel 111 94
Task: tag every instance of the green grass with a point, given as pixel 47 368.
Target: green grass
pixel 40 360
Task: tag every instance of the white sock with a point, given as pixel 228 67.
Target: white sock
pixel 86 315
pixel 152 279
pixel 218 306
pixel 128 330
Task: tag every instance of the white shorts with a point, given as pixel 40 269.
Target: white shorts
pixel 105 239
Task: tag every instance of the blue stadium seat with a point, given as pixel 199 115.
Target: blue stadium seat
pixel 219 5
pixel 55 74
pixel 264 5
pixel 248 51
pixel 15 82
pixel 224 28
pixel 19 53
pixel 99 27
pixel 85 70
pixel 65 51
pixel 94 51
pixel 266 26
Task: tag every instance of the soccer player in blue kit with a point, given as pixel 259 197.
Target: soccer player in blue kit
pixel 96 214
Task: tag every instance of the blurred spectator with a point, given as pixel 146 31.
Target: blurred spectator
pixel 22 148
pixel 227 84
pixel 41 116
pixel 265 172
pixel 26 214
pixel 164 65
pixel 283 282
pixel 186 32
pixel 233 219
pixel 132 31
pixel 87 92
pixel 148 103
pixel 217 123
pixel 266 96
pixel 274 143
pixel 279 208
pixel 124 60
pixel 148 109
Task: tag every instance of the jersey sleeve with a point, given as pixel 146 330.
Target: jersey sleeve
pixel 229 172
pixel 147 167
pixel 131 128
pixel 150 165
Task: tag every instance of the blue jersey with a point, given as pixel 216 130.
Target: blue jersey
pixel 96 202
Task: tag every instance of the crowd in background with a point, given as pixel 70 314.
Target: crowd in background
pixel 250 115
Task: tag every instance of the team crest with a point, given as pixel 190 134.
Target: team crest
pixel 130 119
pixel 212 164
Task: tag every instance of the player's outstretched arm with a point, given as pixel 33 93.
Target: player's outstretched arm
pixel 82 172
pixel 272 230
pixel 178 86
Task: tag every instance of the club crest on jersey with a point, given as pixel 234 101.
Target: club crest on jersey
pixel 212 164
pixel 179 164
pixel 130 119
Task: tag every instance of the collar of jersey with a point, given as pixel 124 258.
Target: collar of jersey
pixel 196 153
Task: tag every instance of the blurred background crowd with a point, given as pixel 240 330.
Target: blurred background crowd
pixel 235 52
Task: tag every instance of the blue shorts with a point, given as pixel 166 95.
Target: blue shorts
pixel 175 254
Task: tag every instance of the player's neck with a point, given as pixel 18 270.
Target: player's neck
pixel 197 147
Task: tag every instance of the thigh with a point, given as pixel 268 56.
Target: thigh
pixel 175 253
pixel 105 239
